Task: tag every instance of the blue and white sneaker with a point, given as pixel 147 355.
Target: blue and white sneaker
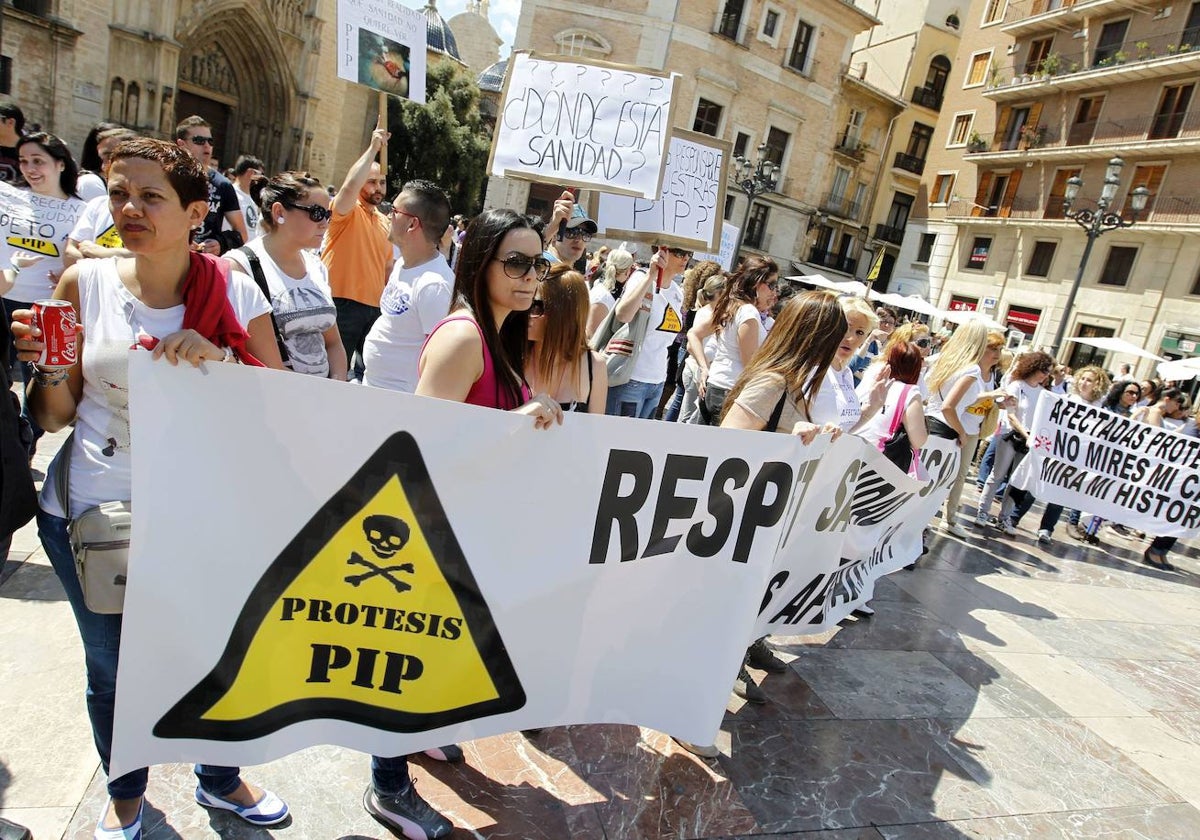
pixel 268 810
pixel 133 831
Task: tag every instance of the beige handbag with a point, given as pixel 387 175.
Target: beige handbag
pixel 100 542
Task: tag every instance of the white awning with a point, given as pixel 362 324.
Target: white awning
pixel 1117 345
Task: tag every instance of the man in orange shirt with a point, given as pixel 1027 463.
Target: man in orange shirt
pixel 357 251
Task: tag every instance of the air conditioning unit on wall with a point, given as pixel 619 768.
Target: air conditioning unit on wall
pixel 1164 12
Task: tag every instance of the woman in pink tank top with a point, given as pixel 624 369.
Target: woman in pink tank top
pixel 476 354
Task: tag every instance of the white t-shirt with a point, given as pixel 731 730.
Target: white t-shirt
pixel 302 306
pixel 250 213
pixel 96 224
pixel 666 320
pixel 112 320
pixel 878 427
pixel 90 185
pixel 727 363
pixel 971 409
pixel 413 302
pixel 33 281
pixel 599 294
pixel 1027 398
pixel 836 401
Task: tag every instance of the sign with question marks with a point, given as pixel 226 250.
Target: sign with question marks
pixel 689 209
pixel 381 44
pixel 584 124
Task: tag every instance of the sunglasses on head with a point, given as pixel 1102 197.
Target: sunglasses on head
pixel 202 141
pixel 517 266
pixel 315 212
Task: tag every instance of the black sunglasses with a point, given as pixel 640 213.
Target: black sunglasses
pixel 577 233
pixel 680 253
pixel 923 342
pixel 315 212
pixel 537 308
pixel 518 266
pixel 202 141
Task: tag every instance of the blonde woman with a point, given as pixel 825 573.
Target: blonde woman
pixel 960 398
pixel 836 401
pixel 603 295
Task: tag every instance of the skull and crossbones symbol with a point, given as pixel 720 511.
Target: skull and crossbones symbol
pixel 387 535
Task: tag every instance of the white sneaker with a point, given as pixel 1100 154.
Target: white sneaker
pixel 957 530
pixel 982 518
pixel 1044 537
pixel 1007 527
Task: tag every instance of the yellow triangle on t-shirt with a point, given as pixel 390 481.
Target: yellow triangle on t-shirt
pixel 670 321
pixel 111 238
pixel 36 246
pixel 369 615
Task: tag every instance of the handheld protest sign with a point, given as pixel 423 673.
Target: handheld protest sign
pixel 381 44
pixel 590 124
pixel 35 224
pixel 688 212
pixel 724 254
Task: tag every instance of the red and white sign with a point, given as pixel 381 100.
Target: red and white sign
pixel 963 304
pixel 1020 318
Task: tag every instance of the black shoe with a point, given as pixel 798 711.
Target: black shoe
pixel 1120 529
pixel 747 689
pixel 451 753
pixel 407 814
pixel 12 831
pixel 863 611
pixel 759 655
pixel 1156 559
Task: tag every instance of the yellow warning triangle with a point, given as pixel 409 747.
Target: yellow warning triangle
pixel 670 321
pixel 369 615
pixel 36 246
pixel 111 238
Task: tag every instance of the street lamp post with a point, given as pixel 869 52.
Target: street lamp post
pixel 1094 223
pixel 753 179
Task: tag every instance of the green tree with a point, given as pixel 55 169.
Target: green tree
pixel 444 140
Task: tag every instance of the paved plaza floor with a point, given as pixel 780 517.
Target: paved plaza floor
pixel 1002 690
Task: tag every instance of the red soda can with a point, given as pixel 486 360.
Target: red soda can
pixel 56 320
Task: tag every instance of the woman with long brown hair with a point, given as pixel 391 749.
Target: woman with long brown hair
pixel 559 361
pixel 734 319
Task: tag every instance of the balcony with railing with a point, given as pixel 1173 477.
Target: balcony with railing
pixel 893 235
pixel 841 206
pixel 851 147
pixel 1134 59
pixel 832 260
pixel 1146 134
pixel 1167 209
pixel 1024 17
pixel 927 98
pixel 909 163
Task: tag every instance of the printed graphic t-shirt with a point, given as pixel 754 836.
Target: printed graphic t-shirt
pixel 665 323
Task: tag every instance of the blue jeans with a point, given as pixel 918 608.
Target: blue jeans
pixel 101 636
pixel 354 321
pixel 634 399
pixel 1053 513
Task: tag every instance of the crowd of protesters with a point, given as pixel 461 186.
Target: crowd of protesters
pixel 504 311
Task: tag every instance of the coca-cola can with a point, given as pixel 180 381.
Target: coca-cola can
pixel 56 320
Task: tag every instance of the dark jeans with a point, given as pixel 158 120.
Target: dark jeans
pixel 10 358
pixel 389 776
pixel 101 636
pixel 1051 515
pixel 714 403
pixel 354 321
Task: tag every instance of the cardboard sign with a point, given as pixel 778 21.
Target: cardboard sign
pixel 688 212
pixel 583 124
pixel 725 256
pixel 381 44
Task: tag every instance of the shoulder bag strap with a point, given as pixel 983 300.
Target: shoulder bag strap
pixel 773 423
pixel 260 280
pixel 898 415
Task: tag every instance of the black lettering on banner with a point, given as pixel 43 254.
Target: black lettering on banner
pixel 720 508
pixel 621 510
pixel 836 517
pixel 1065 445
pixel 777 476
pixel 671 506
pixel 802 603
pixel 774 584
pixel 804 477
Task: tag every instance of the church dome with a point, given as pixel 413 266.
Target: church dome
pixel 492 79
pixel 441 38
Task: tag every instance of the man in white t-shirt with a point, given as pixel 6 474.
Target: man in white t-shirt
pixel 245 171
pixel 418 292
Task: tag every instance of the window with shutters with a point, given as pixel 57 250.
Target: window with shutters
pixel 1118 266
pixel 943 188
pixel 960 131
pixel 993 11
pixel 1041 258
pixel 1150 176
pixel 978 68
pixel 1172 107
pixel 802 47
pixel 1087 114
pixel 1038 51
pixel 1055 201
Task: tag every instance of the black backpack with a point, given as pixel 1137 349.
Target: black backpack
pixel 18 497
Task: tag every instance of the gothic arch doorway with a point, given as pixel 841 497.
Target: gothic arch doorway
pixel 233 72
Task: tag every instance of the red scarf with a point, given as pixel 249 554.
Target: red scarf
pixel 206 307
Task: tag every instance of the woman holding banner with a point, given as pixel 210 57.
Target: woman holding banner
pixel 1163 414
pixel 1089 385
pixel 560 362
pixel 188 308
pixel 837 401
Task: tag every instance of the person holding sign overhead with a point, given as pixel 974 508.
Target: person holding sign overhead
pixel 576 228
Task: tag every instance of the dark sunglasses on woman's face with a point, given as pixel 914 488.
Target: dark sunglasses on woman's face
pixel 537 308
pixel 679 253
pixel 923 342
pixel 517 266
pixel 315 211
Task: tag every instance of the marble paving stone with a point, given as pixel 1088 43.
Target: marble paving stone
pixel 1158 686
pixel 1069 685
pixel 798 776
pixel 45 823
pixel 1154 822
pixel 789 697
pixel 886 589
pixel 832 834
pixel 1187 724
pixel 898 626
pixel 1044 764
pixel 1155 747
pixel 885 684
pixel 1001 693
pixel 1116 639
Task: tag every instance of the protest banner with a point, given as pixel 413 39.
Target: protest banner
pixel 35 224
pixel 1087 458
pixel 437 572
pixel 381 44
pixel 587 124
pixel 724 256
pixel 688 212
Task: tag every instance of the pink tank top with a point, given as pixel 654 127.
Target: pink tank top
pixel 486 391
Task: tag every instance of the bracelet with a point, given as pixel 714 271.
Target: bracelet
pixel 229 355
pixel 50 378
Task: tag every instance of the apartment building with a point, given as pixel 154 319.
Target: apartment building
pixel 760 73
pixel 1044 92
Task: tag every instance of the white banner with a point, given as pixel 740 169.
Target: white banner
pixel 1089 459
pixel 393 572
pixel 725 256
pixel 583 124
pixel 381 44
pixel 35 224
pixel 688 212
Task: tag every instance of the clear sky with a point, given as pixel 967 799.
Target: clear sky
pixel 502 14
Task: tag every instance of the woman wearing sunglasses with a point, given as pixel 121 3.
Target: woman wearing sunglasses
pixel 295 214
pixel 910 332
pixel 560 362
